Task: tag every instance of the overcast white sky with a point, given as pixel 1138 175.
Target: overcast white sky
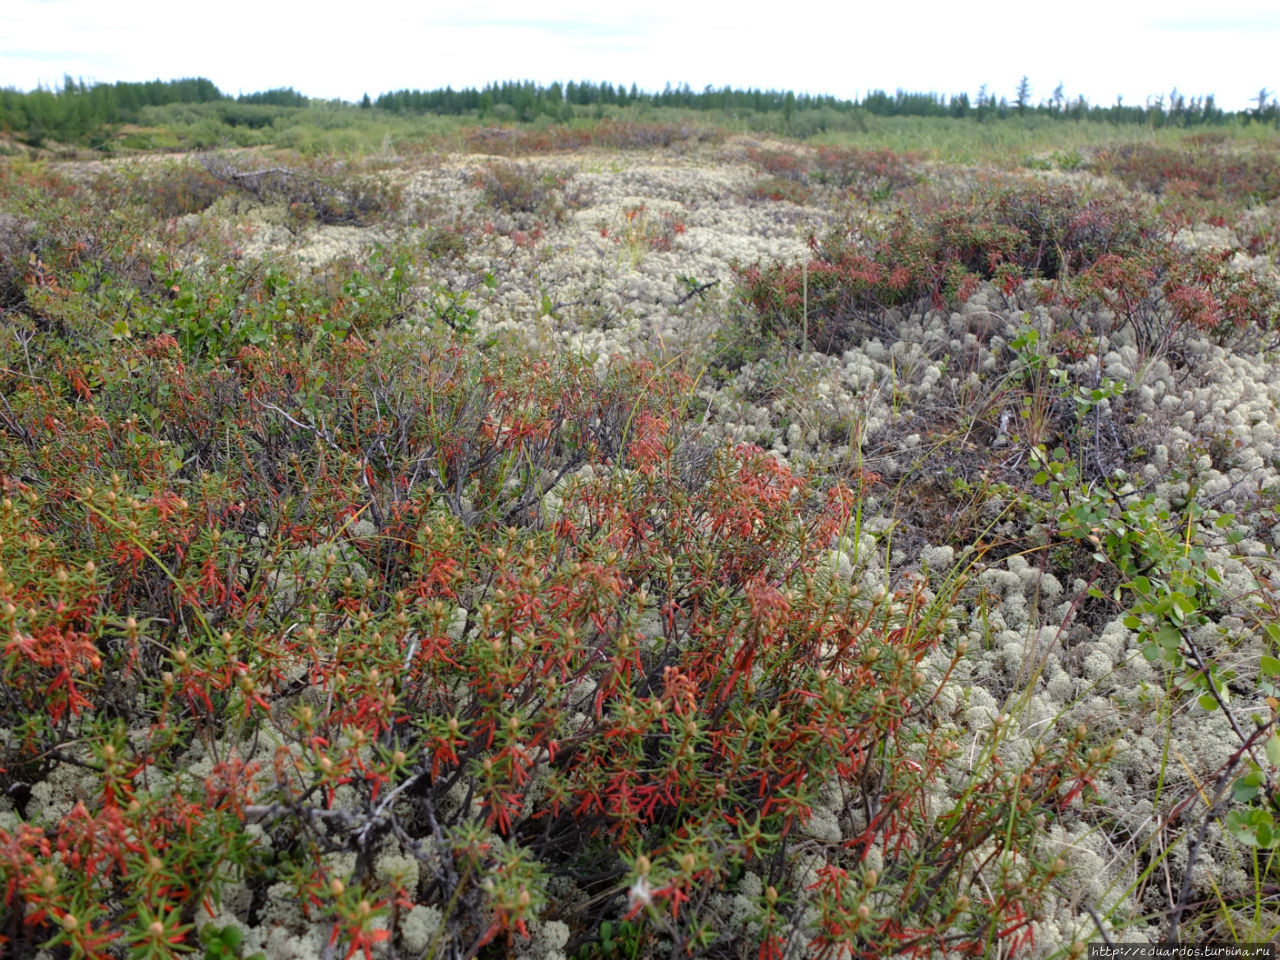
pixel 1101 48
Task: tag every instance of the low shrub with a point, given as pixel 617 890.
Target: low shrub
pixel 870 174
pixel 166 189
pixel 937 254
pixel 639 230
pixel 780 188
pixel 318 190
pixel 1205 179
pixel 516 188
pixel 780 164
pixel 272 612
pixel 867 174
pixel 606 134
pixel 1164 295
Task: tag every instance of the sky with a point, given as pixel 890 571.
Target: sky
pixel 1133 49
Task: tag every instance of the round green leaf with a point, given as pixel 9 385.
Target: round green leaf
pixel 1273 750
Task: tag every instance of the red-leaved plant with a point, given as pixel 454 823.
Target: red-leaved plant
pixel 275 606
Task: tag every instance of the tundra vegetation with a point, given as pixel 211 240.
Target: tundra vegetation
pixel 641 538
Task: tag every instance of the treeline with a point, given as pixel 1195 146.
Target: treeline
pixel 526 101
pixel 86 113
pixel 529 100
pixel 1177 110
pixel 281 97
pixel 78 110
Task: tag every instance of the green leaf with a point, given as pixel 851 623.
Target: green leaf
pixel 1239 828
pixel 1270 665
pixel 1242 791
pixel 1207 702
pixel 1140 585
pixel 1273 750
pixel 1265 834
